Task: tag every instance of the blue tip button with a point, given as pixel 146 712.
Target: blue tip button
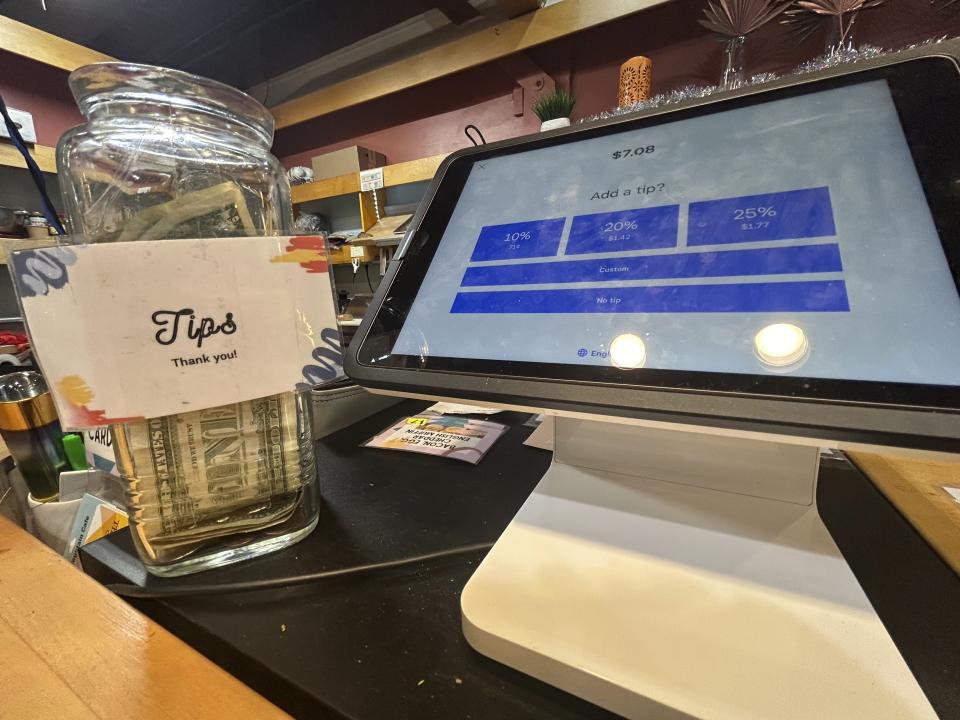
pixel 803 296
pixel 537 238
pixel 622 230
pixel 744 262
pixel 754 218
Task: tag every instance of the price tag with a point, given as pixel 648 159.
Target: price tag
pixel 145 329
pixel 371 179
pixel 356 251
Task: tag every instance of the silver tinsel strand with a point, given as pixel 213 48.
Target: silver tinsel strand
pixel 693 92
pixel 839 56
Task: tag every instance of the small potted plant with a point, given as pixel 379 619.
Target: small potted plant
pixel 554 109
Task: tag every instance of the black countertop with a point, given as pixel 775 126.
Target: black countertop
pixel 389 644
pixel 383 645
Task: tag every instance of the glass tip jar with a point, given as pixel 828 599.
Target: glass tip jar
pixel 164 154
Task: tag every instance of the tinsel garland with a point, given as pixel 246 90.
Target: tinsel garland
pixel 693 92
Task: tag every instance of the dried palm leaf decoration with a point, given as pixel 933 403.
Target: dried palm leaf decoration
pixel 736 18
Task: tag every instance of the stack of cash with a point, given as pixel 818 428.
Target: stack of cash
pixel 211 473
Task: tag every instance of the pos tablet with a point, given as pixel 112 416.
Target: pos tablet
pixel 703 295
pixel 784 258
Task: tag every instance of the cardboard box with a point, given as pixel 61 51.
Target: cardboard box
pixel 346 160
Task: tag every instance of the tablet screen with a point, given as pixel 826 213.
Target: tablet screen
pixel 784 237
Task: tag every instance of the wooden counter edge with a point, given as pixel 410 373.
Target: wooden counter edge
pixel 80 640
pixel 915 488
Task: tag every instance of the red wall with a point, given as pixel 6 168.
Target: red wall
pixel 41 90
pixel 429 120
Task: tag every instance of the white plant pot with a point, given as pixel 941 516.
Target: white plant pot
pixel 554 124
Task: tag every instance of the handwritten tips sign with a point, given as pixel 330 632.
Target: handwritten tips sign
pixel 147 329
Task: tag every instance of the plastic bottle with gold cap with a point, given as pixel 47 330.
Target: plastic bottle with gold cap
pixel 31 429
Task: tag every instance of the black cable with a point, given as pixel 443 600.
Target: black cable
pixel 135 591
pixel 48 209
pixel 466 131
pixel 369 284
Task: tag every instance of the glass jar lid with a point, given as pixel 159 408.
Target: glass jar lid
pixel 100 87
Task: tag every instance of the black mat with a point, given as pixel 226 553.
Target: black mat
pixel 389 644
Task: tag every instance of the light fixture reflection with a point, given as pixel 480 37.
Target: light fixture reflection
pixel 627 351
pixel 781 344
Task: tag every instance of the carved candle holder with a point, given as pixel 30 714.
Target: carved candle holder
pixel 636 75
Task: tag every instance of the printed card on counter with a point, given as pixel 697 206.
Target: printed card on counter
pixel 144 329
pixel 95 519
pixel 98 445
pixel 459 438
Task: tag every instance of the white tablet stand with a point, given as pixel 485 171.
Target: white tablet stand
pixel 666 574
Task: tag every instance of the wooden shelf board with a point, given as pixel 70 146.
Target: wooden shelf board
pixel 328 187
pixel 29 42
pixel 492 43
pixel 46 157
pixel 397 174
pixel 412 171
pixel 380 242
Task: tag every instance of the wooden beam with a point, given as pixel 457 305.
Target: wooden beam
pixel 458 11
pixel 45 156
pixel 396 174
pixel 490 44
pixel 368 212
pixel 512 8
pixel 29 42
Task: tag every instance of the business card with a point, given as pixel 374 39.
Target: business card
pixel 460 438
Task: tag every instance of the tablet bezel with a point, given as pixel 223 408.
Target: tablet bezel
pixel 917 86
